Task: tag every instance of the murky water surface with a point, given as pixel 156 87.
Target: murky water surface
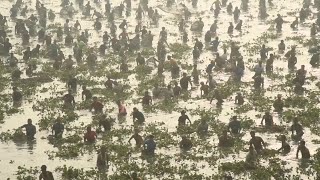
pixel 13 154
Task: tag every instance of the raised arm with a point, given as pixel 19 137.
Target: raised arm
pixel 130 138
pixel 297 154
pixel 229 127
pixel 263 118
pixel 263 143
pixel 189 119
pixel 211 99
pixel 292 130
pixel 23 126
pixel 53 129
pixel 73 101
pixel 51 176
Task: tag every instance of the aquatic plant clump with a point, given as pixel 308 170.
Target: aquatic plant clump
pixel 159 89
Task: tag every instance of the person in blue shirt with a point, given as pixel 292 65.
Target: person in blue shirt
pixel 58 128
pixel 149 145
pixel 30 129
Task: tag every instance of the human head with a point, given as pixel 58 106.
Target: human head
pixel 135 109
pixel 295 120
pixel 184 74
pixel 103 149
pixel 195 66
pixel 224 132
pixel 203 121
pixel 183 112
pixel 283 138
pixel 234 118
pixel 89 129
pixel 134 175
pixel 251 149
pixel 29 121
pixel 279 96
pixel 43 168
pixel 302 143
pixel 253 133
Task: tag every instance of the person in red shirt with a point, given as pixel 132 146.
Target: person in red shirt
pixel 96 105
pixel 122 109
pixel 90 136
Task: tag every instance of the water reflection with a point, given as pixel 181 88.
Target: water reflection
pixel 30 145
